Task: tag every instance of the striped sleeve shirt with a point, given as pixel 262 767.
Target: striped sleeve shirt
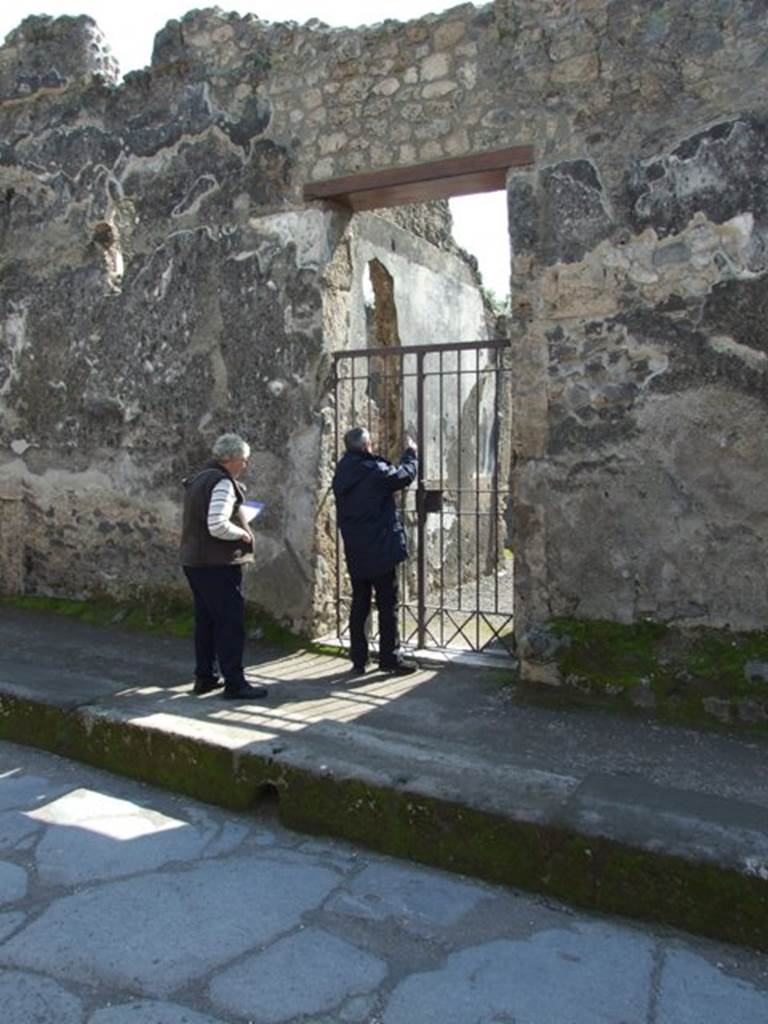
pixel 220 509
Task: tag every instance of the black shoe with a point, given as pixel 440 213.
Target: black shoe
pixel 244 691
pixel 206 684
pixel 399 668
pixel 358 670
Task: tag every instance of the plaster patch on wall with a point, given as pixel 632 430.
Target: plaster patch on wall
pixel 14 336
pixel 124 478
pixel 308 230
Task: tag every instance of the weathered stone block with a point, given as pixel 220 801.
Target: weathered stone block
pixel 536 672
pixel 756 671
pixel 718 708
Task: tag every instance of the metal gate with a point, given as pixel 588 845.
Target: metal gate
pixel 453 399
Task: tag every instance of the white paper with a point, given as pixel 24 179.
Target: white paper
pixel 252 509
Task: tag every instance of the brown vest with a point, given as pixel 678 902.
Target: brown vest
pixel 198 547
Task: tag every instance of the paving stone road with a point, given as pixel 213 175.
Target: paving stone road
pixel 122 904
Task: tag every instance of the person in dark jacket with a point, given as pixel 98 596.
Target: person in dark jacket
pixel 364 485
pixel 215 545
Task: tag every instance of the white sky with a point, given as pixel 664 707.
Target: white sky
pixel 480 222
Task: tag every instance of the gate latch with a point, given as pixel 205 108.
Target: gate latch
pixel 430 501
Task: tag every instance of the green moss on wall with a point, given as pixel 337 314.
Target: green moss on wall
pixel 697 676
pixel 609 654
pixel 167 612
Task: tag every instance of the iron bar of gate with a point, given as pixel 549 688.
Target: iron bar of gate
pixel 402 350
pixel 336 531
pixel 421 514
pixel 353 385
pixel 477 495
pixel 403 502
pixel 442 512
pixel 495 449
pixel 459 511
pixel 369 403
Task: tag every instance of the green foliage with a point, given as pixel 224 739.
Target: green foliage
pixel 497 304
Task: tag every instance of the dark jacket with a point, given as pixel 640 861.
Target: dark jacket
pixel 364 485
pixel 198 546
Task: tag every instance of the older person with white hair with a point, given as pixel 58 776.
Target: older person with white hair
pixel 216 543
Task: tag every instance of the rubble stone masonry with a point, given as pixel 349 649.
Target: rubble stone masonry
pixel 158 265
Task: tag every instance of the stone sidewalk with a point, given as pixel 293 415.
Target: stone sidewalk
pixel 445 767
pixel 124 904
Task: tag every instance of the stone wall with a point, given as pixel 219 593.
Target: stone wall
pixel 638 268
pixel 157 288
pixel 639 262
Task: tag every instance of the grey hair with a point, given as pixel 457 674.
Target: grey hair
pixel 356 439
pixel 230 446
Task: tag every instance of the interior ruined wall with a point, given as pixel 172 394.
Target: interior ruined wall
pixel 436 295
pixel 431 297
pixel 638 262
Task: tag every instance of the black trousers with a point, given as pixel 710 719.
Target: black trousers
pixel 385 588
pixel 219 621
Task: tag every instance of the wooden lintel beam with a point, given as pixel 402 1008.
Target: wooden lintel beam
pixel 425 191
pixel 439 179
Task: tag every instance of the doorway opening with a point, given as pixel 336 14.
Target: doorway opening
pixel 419 364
